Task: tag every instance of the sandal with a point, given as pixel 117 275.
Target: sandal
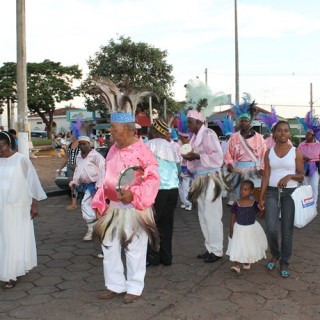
pixel 10 284
pixel 284 273
pixel 271 264
pixel 71 207
pixel 235 269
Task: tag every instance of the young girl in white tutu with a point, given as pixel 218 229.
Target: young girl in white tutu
pixel 247 242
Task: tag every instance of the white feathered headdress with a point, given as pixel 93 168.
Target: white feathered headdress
pixel 199 97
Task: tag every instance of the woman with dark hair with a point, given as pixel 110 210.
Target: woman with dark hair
pixel 283 170
pixel 20 189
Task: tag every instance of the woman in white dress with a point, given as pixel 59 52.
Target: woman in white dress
pixel 20 189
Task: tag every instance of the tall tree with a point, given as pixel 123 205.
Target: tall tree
pixel 8 86
pixel 48 83
pixel 142 65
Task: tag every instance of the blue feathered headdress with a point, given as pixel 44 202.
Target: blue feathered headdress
pixel 174 134
pixel 75 128
pixel 311 123
pixel 269 120
pixel 245 109
pixel 82 128
pixel 226 126
pixel 182 124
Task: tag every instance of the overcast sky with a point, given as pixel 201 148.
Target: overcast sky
pixel 279 45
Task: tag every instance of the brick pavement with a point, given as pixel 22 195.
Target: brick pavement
pixel 68 278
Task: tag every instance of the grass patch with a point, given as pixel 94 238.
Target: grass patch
pixel 41 142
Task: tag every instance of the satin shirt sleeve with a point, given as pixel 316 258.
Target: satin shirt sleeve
pixel 145 193
pixel 212 155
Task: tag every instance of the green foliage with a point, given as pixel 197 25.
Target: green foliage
pixel 48 83
pixel 297 140
pixel 8 86
pixel 143 65
pixel 41 142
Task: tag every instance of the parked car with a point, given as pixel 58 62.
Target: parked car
pixel 103 151
pixel 62 181
pixel 39 134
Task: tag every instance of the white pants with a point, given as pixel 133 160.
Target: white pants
pixel 184 186
pixel 314 183
pixel 88 213
pixel 136 252
pixel 210 215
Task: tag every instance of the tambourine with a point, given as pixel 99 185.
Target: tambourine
pixel 185 148
pixel 128 175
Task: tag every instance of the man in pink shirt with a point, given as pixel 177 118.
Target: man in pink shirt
pixel 204 162
pixel 238 158
pixel 127 221
pixel 125 199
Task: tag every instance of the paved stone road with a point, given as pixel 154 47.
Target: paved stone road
pixel 68 278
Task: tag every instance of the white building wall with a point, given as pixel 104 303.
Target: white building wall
pixel 36 123
pixel 4 118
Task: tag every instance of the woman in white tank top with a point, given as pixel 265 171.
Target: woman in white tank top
pixel 283 171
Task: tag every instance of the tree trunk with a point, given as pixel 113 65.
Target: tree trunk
pixel 8 112
pixel 47 122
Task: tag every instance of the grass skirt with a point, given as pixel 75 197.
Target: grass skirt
pixel 125 223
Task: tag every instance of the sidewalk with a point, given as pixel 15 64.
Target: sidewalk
pixel 69 277
pixel 46 164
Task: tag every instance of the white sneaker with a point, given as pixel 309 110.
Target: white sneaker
pixel 88 236
pixel 183 206
pixel 189 207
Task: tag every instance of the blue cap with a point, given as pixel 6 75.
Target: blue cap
pixel 122 117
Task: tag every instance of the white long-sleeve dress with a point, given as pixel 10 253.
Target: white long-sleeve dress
pixel 19 184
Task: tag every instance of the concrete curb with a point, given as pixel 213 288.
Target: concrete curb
pixel 55 193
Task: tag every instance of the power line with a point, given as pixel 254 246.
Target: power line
pixel 285 105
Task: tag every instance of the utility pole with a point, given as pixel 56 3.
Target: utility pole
pixel 150 109
pixel 236 52
pixel 22 79
pixel 8 112
pixel 311 98
pixel 206 76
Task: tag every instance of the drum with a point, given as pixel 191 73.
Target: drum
pixel 185 149
pixel 129 175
